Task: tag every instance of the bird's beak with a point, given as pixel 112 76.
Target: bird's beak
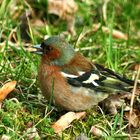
pixel 38 49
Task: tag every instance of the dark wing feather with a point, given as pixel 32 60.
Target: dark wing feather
pixel 112 74
pixel 105 80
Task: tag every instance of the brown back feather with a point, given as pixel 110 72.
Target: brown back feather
pixel 78 63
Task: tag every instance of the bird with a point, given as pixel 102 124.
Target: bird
pixel 71 81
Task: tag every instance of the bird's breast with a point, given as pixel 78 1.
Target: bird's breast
pixel 54 84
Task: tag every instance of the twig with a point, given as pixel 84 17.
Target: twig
pixel 115 33
pixel 104 9
pixel 133 97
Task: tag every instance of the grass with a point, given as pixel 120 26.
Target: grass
pixel 25 107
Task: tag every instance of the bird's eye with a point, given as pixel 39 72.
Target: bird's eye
pixel 49 48
pixel 46 48
pixel 43 45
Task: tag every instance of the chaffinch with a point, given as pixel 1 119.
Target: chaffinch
pixel 71 80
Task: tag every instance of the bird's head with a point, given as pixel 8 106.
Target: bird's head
pixel 55 50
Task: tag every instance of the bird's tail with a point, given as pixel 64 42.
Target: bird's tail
pixel 113 80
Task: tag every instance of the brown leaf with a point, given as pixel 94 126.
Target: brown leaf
pixel 82 137
pixel 65 120
pixel 6 89
pixel 112 103
pixel 115 33
pixel 65 9
pixel 5 137
pixel 135 66
pixel 134 118
pixel 32 133
pixel 97 132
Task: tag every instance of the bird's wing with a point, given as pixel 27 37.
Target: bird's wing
pixel 109 73
pixel 100 79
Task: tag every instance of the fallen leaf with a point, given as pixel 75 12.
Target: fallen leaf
pixel 133 118
pixel 65 120
pixel 5 137
pixel 82 137
pixel 6 89
pixel 97 132
pixel 115 33
pixel 112 103
pixel 66 10
pixel 135 66
pixel 32 134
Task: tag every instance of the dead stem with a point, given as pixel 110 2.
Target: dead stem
pixel 133 97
